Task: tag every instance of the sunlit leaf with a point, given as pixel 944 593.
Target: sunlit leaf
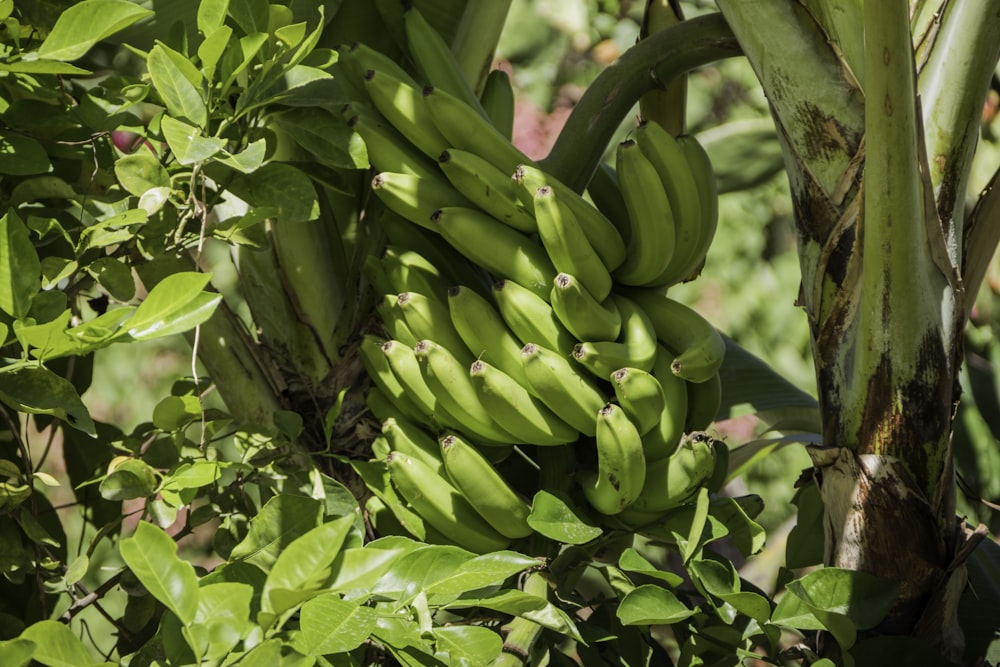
pixel 177 81
pixel 84 24
pixel 553 517
pixel 132 478
pixel 140 172
pixel 16 652
pixel 177 304
pixel 56 645
pixel 37 390
pixel 279 522
pixel 20 268
pixel 152 556
pixel 652 605
pixel 332 625
pixel 468 644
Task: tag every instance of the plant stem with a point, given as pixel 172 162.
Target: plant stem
pixel 522 633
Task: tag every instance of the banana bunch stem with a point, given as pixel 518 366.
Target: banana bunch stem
pixel 522 633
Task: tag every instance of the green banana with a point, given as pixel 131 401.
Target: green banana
pixel 429 319
pixel 651 234
pixel 449 379
pixel 403 105
pixel 568 247
pixel 621 466
pixel 602 234
pixel 380 447
pixel 485 333
pixel 670 162
pixel 382 376
pixel 414 197
pixel 661 441
pixel 379 404
pixel 516 410
pixel 466 129
pixel 505 252
pixel 409 439
pixel 708 193
pixel 606 193
pixel 670 482
pixel 497 99
pixel 704 400
pixel 393 320
pixel 581 313
pixel 387 149
pixel 374 272
pixel 720 472
pixel 562 388
pixel 640 395
pixel 356 59
pixel 487 187
pixel 667 103
pixel 485 489
pixel 700 347
pixel 405 368
pixel 637 346
pixel 530 318
pixel 442 505
pixel 409 271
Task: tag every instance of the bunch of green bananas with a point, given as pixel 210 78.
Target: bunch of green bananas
pixel 569 339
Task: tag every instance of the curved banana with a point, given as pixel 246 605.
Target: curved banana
pixel 562 388
pixel 442 505
pixel 497 99
pixel 382 376
pixel 429 319
pixel 720 472
pixel 708 193
pixel 651 234
pixel 485 333
pixel 374 272
pixel 405 368
pixel 661 441
pixel 621 466
pixel 568 247
pixel 699 346
pixel 606 193
pixel 640 395
pixel 387 149
pixel 379 404
pixel 402 104
pixel 356 59
pixel 602 234
pixel 581 313
pixel 530 318
pixel 704 400
pixel 637 346
pixel 409 271
pixel 409 439
pixel 415 197
pixel 485 489
pixel 487 187
pixel 434 59
pixel 672 481
pixel 517 411
pixel 504 251
pixel 393 320
pixel 666 103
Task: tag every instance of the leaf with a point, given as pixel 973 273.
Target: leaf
pixel 37 390
pixel 632 561
pixel 176 412
pixel 283 187
pixel 804 546
pixel 152 556
pixel 723 582
pixel 16 652
pixel 421 569
pixel 652 605
pixel 140 172
pixel 177 82
pixel 326 137
pixel 42 66
pixel 482 571
pixel 525 605
pixel 174 306
pixel 223 618
pixel 133 478
pixel 213 48
pixel 280 521
pixel 553 517
pixel 980 599
pixel 187 142
pixel 56 645
pixel 20 268
pixel 360 568
pixel 468 644
pixel 746 379
pixel 22 156
pixel 250 15
pixel 332 625
pixel 114 276
pixel 249 159
pixel 211 15
pixel 76 570
pixel 83 24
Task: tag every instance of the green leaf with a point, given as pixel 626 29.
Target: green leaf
pixel 250 15
pixel 187 142
pixel 22 156
pixel 140 172
pixel 152 556
pixel 632 561
pixel 133 478
pixel 283 187
pixel 525 605
pixel 554 517
pixel 177 81
pixel 718 580
pixel 37 390
pixel 20 268
pixel 358 569
pixel 176 412
pixel 114 276
pixel 248 160
pixel 56 645
pixel 468 644
pixel 300 85
pixel 421 569
pixel 332 625
pixel 213 48
pixel 804 546
pixel 77 569
pixel 746 379
pixel 223 618
pixel 211 15
pixel 17 652
pixel 84 24
pixel 280 521
pixel 326 137
pixel 174 306
pixel 652 605
pixel 42 66
pixel 482 571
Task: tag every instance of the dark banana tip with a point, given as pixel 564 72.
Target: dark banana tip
pixel 620 374
pixel 564 280
pixel 369 75
pixel 478 367
pixel 454 290
pixel 444 157
pixel 428 90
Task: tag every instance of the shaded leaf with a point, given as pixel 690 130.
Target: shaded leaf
pixel 632 561
pixel 20 268
pixel 525 605
pixel 326 137
pixel 22 156
pixel 37 390
pixel 140 172
pixel 132 478
pixel 282 187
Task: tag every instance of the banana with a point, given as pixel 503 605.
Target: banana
pixel 466 129
pixel 667 103
pixel 651 233
pixel 393 320
pixel 429 319
pixel 487 187
pixel 442 505
pixel 356 59
pixel 708 193
pixel 449 379
pixel 637 346
pixel 387 149
pixel 602 234
pixel 661 441
pixel 640 395
pixel 409 271
pixel 581 313
pixel 672 481
pixel 485 333
pixel 382 376
pixel 530 318
pixel 374 272
pixel 497 99
pixel 485 489
pixel 606 193
pixel 560 386
pixel 408 439
pixel 704 400
pixel 517 411
pixel 720 471
pixel 505 252
pixel 405 368
pixel 379 404
pixel 568 247
pixel 621 467
pixel 380 447
pixel 700 347
pixel 670 162
pixel 402 104
pixel 415 198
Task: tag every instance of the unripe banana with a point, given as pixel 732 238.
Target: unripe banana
pixel 442 506
pixel 672 481
pixel 661 441
pixel 379 404
pixel 497 99
pixel 602 234
pixel 708 194
pixel 704 400
pixel 429 319
pixel 393 320
pixel 517 411
pixel 485 333
pixel 487 187
pixel 667 102
pixel 581 313
pixel 568 247
pixel 485 489
pixel 640 395
pixel 408 439
pixel 402 104
pixel 414 197
pixel 651 233
pixel 409 271
pixel 621 466
pixel 505 252
pixel 405 368
pixel 670 162
pixel 374 272
pixel 560 386
pixel 382 376
pixel 700 347
pixel 387 149
pixel 355 60
pixel 606 193
pixel 530 318
pixel 637 346
pixel 720 472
